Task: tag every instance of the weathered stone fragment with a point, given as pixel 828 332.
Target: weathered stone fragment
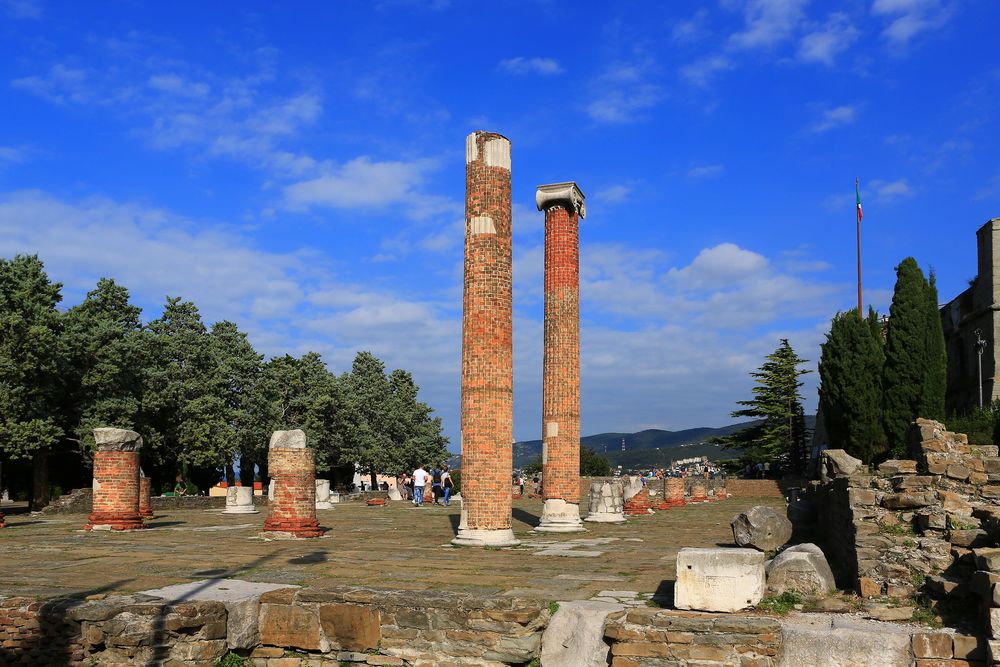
pixel 894 467
pixel 719 579
pixel 575 635
pixel 896 501
pixel 761 528
pixel 353 627
pixel 295 439
pixel 838 463
pixel 802 568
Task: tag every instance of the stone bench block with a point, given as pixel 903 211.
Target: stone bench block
pixel 719 579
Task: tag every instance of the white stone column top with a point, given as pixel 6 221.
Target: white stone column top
pixel 288 439
pixel 117 440
pixel 568 193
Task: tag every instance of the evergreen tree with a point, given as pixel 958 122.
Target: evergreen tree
pixel 776 406
pixel 592 464
pixel 298 394
pixel 850 371
pixel 31 361
pixel 239 368
pixel 907 358
pixel 183 411
pixel 103 335
pixel 416 435
pixel 936 377
pixel 369 437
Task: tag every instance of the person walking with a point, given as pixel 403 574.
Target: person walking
pixel 419 482
pixel 436 484
pixel 446 484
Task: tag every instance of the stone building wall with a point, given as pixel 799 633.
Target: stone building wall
pixel 975 308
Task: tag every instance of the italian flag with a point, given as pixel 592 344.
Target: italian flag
pixel 858 193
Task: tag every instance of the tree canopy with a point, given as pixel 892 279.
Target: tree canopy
pixel 204 400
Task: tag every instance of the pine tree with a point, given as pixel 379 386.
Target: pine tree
pixel 368 394
pixel 777 406
pixel 416 435
pixel 936 377
pixel 183 412
pixel 103 335
pixel 31 360
pixel 239 368
pixel 906 354
pixel 850 371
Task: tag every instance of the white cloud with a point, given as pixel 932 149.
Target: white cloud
pixel 522 65
pixel 705 171
pixel 889 190
pixel 366 184
pixel 700 72
pixel 834 117
pixel 768 23
pixel 827 42
pixel 720 266
pixel 690 29
pixel 23 9
pixel 11 154
pixel 613 194
pixel 909 18
pixel 622 93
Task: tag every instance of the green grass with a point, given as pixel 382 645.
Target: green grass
pixel 781 604
pixel 230 660
pixel 553 607
pixel 918 579
pixel 895 529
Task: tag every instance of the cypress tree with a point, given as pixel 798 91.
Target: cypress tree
pixel 936 378
pixel 906 354
pixel 850 371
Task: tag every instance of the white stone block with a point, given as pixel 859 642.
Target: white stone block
pixel 719 579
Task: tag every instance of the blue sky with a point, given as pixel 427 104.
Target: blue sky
pixel 301 172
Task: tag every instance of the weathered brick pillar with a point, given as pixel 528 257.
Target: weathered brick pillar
pixel 291 464
pixel 487 346
pixel 116 481
pixel 145 497
pixel 563 204
pixel 673 493
pixel 698 494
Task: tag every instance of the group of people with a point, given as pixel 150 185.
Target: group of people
pixel 414 486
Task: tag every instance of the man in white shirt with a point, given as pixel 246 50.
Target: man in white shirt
pixel 420 478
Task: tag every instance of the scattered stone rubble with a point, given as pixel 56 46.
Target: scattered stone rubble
pixel 761 528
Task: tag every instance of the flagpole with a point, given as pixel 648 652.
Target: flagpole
pixel 860 307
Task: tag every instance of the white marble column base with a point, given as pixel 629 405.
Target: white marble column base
pixel 559 516
pixel 502 537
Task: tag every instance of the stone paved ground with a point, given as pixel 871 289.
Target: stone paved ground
pixel 397 546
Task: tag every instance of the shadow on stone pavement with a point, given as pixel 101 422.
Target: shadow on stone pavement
pixel 525 516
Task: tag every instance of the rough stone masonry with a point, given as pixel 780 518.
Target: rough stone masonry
pixel 116 481
pixel 563 204
pixel 487 345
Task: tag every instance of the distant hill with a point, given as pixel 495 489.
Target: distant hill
pixel 649 448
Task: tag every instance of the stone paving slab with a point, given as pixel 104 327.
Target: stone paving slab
pixel 397 546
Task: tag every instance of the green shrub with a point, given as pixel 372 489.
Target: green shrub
pixel 781 604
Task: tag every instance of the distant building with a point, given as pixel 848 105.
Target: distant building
pixel 975 308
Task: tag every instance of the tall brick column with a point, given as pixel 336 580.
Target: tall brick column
pixel 487 346
pixel 292 465
pixel 116 481
pixel 563 204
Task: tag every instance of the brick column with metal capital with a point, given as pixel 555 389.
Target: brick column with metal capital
pixel 116 481
pixel 563 204
pixel 487 346
pixel 292 465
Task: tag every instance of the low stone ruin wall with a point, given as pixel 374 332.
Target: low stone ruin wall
pixel 657 637
pixel 79 501
pixel 753 488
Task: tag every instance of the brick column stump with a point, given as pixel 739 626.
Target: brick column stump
pixel 292 466
pixel 673 493
pixel 563 204
pixel 721 493
pixel 606 502
pixel 145 497
pixel 2 524
pixel 698 494
pixel 487 346
pixel 116 481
